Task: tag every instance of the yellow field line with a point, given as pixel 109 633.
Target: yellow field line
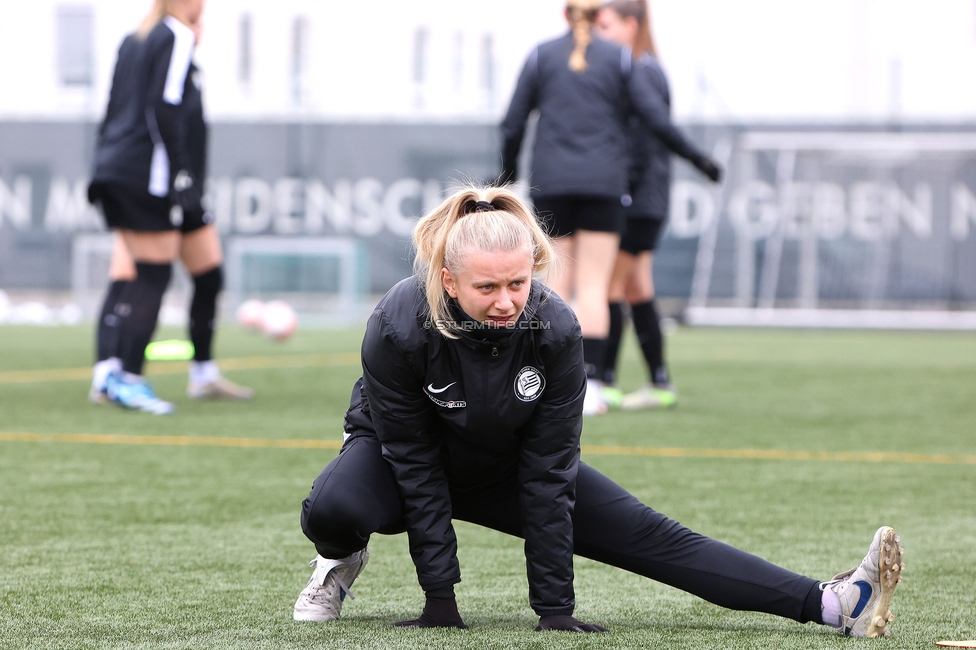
pixel 179 367
pixel 172 441
pixel 591 450
pixel 782 454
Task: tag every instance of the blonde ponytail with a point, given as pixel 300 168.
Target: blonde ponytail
pixel 160 9
pixel 444 237
pixel 582 15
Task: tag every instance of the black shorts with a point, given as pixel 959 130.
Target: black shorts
pixel 130 209
pixel 564 214
pixel 641 234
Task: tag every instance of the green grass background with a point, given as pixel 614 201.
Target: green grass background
pixel 115 546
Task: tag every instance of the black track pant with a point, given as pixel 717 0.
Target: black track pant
pixel 356 496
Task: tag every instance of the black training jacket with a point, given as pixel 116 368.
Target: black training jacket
pixel 154 117
pixel 650 156
pixel 472 413
pixel 581 140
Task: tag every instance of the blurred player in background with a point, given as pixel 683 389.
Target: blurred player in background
pixel 627 22
pixel 470 408
pixel 584 88
pixel 150 165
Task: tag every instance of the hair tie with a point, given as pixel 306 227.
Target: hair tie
pixel 482 206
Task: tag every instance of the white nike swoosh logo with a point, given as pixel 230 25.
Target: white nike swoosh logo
pixel 431 388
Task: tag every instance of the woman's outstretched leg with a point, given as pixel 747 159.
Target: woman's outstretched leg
pixel 612 526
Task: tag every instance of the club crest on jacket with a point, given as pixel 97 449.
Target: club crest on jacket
pixel 529 384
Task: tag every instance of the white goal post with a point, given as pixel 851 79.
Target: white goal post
pixel 339 298
pixel 835 229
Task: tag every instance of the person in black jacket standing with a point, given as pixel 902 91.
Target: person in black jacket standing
pixel 584 88
pixel 627 22
pixel 470 407
pixel 150 164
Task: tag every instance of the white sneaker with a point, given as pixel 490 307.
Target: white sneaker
pixel 219 388
pixel 321 599
pixel 593 402
pixel 865 591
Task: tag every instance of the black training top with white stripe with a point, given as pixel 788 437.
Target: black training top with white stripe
pixel 142 142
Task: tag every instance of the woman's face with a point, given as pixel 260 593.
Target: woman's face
pixel 493 287
pixel 613 27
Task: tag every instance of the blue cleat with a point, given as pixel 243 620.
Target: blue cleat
pixel 135 394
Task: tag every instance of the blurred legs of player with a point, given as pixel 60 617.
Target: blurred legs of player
pixel 121 272
pixel 633 283
pixel 586 260
pixel 201 255
pixel 586 234
pixel 151 253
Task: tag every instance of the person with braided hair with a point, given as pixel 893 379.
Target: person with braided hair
pixel 584 90
pixel 470 408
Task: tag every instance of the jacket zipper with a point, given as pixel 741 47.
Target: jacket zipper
pixel 486 372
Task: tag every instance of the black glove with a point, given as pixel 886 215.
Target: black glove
pixel 567 624
pixel 708 167
pixel 440 611
pixel 186 192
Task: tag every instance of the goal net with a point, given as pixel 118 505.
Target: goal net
pixel 834 229
pixel 323 278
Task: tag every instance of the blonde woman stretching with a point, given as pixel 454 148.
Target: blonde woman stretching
pixel 470 408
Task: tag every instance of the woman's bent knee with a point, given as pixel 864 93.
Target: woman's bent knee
pixel 336 523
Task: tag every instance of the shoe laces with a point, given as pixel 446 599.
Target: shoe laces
pixel 322 586
pixel 837 579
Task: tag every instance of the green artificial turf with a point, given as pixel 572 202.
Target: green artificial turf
pixel 176 546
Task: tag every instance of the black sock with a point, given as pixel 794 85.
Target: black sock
pixel 107 336
pixel 143 296
pixel 594 356
pixel 648 331
pixel 203 310
pixel 613 342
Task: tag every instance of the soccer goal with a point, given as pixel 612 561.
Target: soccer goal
pixel 324 278
pixel 835 229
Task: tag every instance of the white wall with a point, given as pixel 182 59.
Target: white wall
pixel 729 60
